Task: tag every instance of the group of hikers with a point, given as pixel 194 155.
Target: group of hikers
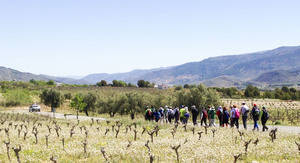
pixel 225 116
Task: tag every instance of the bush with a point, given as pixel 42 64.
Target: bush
pixel 16 97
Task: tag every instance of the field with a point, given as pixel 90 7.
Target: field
pixel 114 140
pixel 35 138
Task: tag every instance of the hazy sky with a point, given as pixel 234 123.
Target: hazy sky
pixel 61 37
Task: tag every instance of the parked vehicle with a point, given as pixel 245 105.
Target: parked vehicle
pixel 34 108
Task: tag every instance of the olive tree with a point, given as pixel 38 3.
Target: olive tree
pixel 199 96
pixel 77 103
pixel 90 101
pixel 51 98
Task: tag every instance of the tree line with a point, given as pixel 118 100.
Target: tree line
pixel 283 93
pixel 131 103
pixel 120 83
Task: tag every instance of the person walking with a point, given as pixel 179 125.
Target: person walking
pixel 236 117
pixel 220 115
pixel 245 110
pixel 182 111
pixel 195 113
pixel 255 115
pixel 186 115
pixel 176 114
pixel 232 116
pixel 148 114
pixel 226 117
pixel 211 116
pixel 157 115
pixel 204 117
pixel 170 114
pixel 264 119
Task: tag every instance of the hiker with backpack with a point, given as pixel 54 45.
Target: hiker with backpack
pixel 161 112
pixel 245 110
pixel 220 115
pixel 235 115
pixel 166 110
pixel 171 115
pixel 176 114
pixel 152 117
pixel 204 117
pixel 182 112
pixel 264 119
pixel 186 115
pixel 211 116
pixel 232 116
pixel 157 115
pixel 148 114
pixel 255 116
pixel 226 117
pixel 195 113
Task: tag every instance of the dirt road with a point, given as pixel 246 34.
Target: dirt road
pixel 287 129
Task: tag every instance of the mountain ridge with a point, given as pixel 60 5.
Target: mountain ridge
pixel 230 70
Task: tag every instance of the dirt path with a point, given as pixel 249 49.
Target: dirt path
pixel 286 129
pixel 62 116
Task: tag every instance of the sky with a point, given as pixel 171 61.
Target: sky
pixel 80 37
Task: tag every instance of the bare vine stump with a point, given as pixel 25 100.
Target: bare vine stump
pixel 151 134
pixel 213 131
pixel 104 153
pixel 175 148
pixel 53 159
pixel 7 148
pixel 144 129
pixel 246 145
pixel 193 130
pixel 17 150
pixel 236 157
pixel 135 134
pixel 129 144
pixel 106 131
pixel 256 142
pixel 47 137
pixel 272 134
pixel 84 143
pixel 200 133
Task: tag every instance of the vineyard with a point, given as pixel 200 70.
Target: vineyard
pixel 32 138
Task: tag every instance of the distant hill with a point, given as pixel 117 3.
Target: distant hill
pixel 242 69
pixel 132 76
pixel 280 65
pixel 8 74
pixel 279 76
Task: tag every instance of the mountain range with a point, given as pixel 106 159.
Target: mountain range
pixel 277 66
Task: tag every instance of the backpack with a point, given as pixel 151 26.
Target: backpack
pixel 218 113
pixel 205 114
pixel 171 113
pixel 226 114
pixel 237 113
pixel 149 112
pixel 187 115
pixel 256 112
pixel 266 115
